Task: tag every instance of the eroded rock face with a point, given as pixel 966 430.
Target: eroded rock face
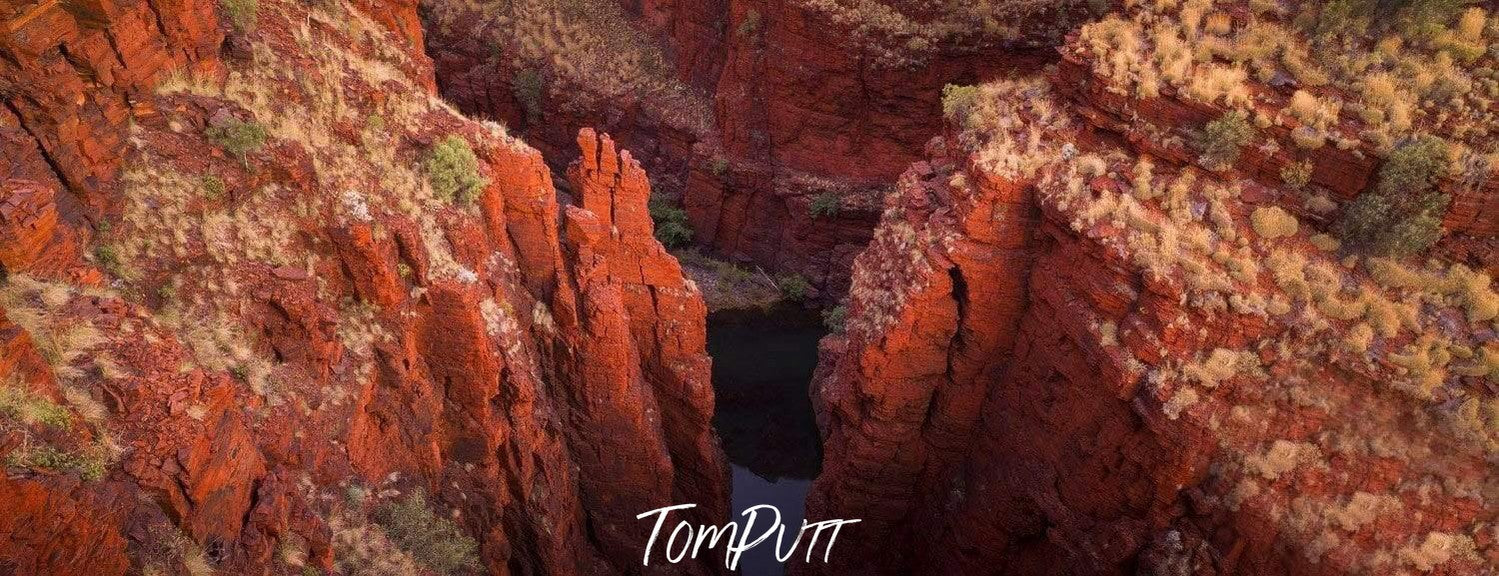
pixel 76 71
pixel 1045 372
pixel 773 106
pixel 266 348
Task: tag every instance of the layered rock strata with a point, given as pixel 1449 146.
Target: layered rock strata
pixel 1073 349
pixel 776 124
pixel 279 330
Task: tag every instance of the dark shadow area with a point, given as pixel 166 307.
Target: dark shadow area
pixel 762 364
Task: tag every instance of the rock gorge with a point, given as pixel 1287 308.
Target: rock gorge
pixel 746 112
pixel 351 287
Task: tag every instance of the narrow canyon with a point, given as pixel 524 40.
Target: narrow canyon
pixel 443 287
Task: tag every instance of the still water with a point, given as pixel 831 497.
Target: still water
pixel 762 364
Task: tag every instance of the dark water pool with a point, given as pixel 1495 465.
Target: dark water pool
pixel 762 364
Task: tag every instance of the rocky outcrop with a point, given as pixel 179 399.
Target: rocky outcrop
pixel 284 331
pixel 1144 376
pixel 75 72
pixel 936 304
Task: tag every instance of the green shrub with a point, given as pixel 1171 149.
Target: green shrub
pixel 453 171
pixel 528 87
pixel 1415 165
pixel 958 103
pixel 835 318
pixel 672 229
pixel 89 464
pixel 1221 139
pixel 794 287
pixel 433 540
pixel 241 13
pixel 825 204
pixel 213 186
pixel 1413 19
pixel 1424 19
pixel 238 138
pixel 107 257
pixel 1349 17
pixel 1402 215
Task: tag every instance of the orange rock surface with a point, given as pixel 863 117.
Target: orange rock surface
pixel 251 401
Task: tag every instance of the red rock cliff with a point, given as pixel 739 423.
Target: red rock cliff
pixel 282 327
pixel 748 111
pixel 1070 351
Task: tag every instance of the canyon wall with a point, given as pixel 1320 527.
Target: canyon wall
pixel 777 124
pixel 272 307
pixel 1070 349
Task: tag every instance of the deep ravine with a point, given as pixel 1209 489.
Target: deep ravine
pixel 762 363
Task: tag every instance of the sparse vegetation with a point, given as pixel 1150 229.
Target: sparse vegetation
pixel 90 464
pixel 794 287
pixel 895 34
pixel 433 540
pixel 529 87
pixel 1400 64
pixel 1222 138
pixel 238 138
pixel 29 409
pixel 583 52
pixel 825 205
pixel 672 229
pixel 453 171
pixel 33 305
pixel 241 13
pixel 835 318
pixel 1296 175
pixel 1402 215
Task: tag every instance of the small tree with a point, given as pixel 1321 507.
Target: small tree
pixel 1402 215
pixel 528 87
pixel 794 287
pixel 958 103
pixel 835 318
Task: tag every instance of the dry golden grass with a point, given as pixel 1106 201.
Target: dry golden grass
pixel 586 52
pixel 897 34
pixel 36 306
pixel 1395 85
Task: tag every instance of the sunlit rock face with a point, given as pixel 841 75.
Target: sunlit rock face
pixel 272 307
pixel 1079 344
